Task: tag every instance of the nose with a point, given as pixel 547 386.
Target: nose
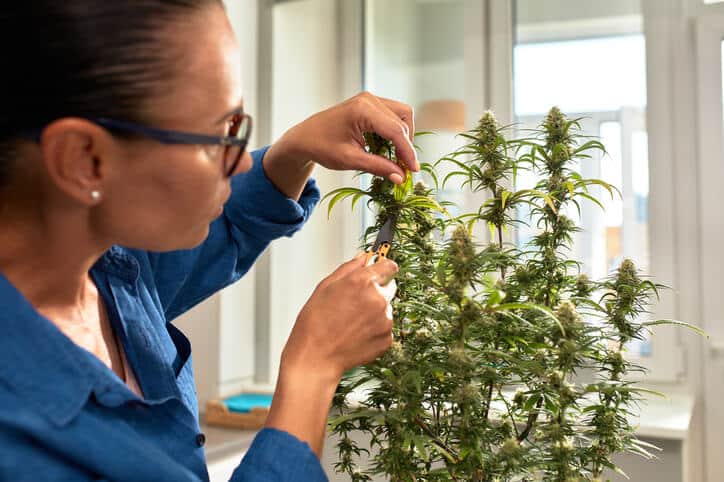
pixel 244 164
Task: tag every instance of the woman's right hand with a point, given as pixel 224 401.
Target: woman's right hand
pixel 346 322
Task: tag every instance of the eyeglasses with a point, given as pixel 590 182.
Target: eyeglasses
pixel 234 142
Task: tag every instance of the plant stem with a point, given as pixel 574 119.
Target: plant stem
pixel 489 400
pixel 510 414
pixel 532 418
pixel 435 439
pixel 500 244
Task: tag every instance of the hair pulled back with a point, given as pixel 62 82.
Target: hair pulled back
pixel 89 58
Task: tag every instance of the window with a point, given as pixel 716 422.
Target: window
pixel 585 56
pixel 590 61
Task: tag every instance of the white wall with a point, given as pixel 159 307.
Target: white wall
pixel 306 79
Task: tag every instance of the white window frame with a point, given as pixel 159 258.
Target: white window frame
pixel 709 37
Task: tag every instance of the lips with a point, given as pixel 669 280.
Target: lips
pixel 223 203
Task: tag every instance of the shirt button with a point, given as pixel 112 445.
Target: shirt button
pixel 200 440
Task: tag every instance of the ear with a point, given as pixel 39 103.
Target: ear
pixel 73 153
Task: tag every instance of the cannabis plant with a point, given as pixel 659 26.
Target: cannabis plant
pixel 508 364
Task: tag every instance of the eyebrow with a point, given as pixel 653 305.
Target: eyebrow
pixel 235 110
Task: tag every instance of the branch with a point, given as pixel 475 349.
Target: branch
pixel 532 418
pixel 435 439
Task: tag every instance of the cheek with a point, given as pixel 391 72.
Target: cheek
pixel 168 204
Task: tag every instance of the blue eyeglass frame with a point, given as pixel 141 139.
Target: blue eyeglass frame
pixel 166 136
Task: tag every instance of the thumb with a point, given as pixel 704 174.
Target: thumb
pixel 348 267
pixel 383 271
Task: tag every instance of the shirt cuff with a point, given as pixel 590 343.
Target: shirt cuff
pixel 278 456
pixel 257 207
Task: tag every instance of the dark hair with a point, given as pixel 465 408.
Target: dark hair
pixel 92 58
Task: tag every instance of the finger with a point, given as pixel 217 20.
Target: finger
pixel 382 271
pixel 377 165
pixel 388 291
pixel 392 128
pixel 350 266
pixel 404 112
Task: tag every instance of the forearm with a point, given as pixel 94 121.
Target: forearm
pixel 287 170
pixel 301 405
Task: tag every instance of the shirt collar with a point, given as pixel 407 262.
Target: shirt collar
pixel 118 262
pixel 38 362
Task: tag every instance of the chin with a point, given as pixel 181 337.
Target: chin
pixel 196 238
pixel 174 242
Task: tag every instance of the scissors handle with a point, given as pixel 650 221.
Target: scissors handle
pixel 375 256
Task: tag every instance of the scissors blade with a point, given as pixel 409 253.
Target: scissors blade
pixel 386 233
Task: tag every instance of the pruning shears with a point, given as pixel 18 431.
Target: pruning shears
pixel 383 243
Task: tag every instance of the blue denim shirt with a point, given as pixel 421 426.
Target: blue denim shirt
pixel 65 416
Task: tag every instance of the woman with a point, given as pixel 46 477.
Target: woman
pixel 122 141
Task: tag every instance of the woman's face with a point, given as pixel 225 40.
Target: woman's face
pixel 163 197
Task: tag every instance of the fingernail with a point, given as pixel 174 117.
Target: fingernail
pixel 396 178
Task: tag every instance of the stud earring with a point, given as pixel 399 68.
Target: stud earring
pixel 95 195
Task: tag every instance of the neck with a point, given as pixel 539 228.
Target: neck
pixel 46 252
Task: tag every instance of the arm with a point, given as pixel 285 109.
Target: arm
pixel 256 214
pixel 346 322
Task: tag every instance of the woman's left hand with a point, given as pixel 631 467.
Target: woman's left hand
pixel 334 138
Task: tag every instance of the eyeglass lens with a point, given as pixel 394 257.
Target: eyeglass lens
pixel 240 128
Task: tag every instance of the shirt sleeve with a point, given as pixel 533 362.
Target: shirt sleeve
pixel 256 213
pixel 276 456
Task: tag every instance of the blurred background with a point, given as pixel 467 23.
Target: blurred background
pixel 645 76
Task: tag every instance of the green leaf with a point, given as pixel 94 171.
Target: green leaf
pixel 335 422
pixel 592 199
pixel 503 197
pixel 400 191
pixel 340 194
pixel 437 448
pixel 529 306
pixel 678 323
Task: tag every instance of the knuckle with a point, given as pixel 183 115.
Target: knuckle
pixel 361 105
pixel 388 263
pixel 363 98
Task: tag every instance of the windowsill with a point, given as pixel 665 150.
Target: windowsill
pixel 666 418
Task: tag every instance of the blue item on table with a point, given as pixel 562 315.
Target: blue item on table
pixel 246 401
